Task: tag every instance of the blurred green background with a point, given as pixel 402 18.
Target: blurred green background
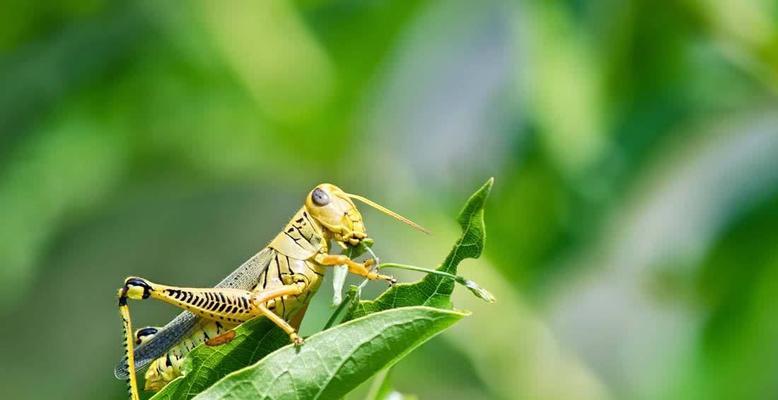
pixel 632 232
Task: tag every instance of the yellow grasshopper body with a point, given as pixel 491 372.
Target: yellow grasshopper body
pixel 276 284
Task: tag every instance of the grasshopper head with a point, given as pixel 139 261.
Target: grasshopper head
pixel 334 209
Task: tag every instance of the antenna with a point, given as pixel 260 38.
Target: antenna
pixel 388 212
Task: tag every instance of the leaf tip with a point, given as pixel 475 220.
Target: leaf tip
pixel 479 291
pixel 487 187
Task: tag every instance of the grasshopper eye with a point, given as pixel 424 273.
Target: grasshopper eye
pixel 320 197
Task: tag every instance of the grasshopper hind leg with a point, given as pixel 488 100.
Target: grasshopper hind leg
pixel 132 382
pixel 221 307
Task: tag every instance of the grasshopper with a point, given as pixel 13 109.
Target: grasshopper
pixel 276 283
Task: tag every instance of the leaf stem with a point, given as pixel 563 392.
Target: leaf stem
pixel 470 285
pixel 420 269
pixel 336 313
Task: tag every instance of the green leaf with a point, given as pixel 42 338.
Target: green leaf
pixel 435 290
pixel 207 364
pixel 334 362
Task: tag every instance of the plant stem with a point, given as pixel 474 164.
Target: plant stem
pixel 420 269
pixel 336 313
pixel 470 285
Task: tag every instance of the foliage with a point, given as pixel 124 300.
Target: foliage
pixel 336 361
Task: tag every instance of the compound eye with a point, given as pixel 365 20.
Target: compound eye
pixel 320 197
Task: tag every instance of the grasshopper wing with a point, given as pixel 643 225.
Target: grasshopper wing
pixel 244 277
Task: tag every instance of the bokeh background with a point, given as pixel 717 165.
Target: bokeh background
pixel 632 232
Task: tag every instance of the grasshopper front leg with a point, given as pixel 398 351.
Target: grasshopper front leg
pixel 361 269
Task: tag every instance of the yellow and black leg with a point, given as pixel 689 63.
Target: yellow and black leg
pixel 128 344
pixel 217 304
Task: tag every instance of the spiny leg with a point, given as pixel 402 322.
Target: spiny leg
pixel 225 304
pixel 129 349
pixel 216 304
pixel 361 269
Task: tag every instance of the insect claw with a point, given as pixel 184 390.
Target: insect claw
pixel 297 340
pixel 135 288
pixel 390 280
